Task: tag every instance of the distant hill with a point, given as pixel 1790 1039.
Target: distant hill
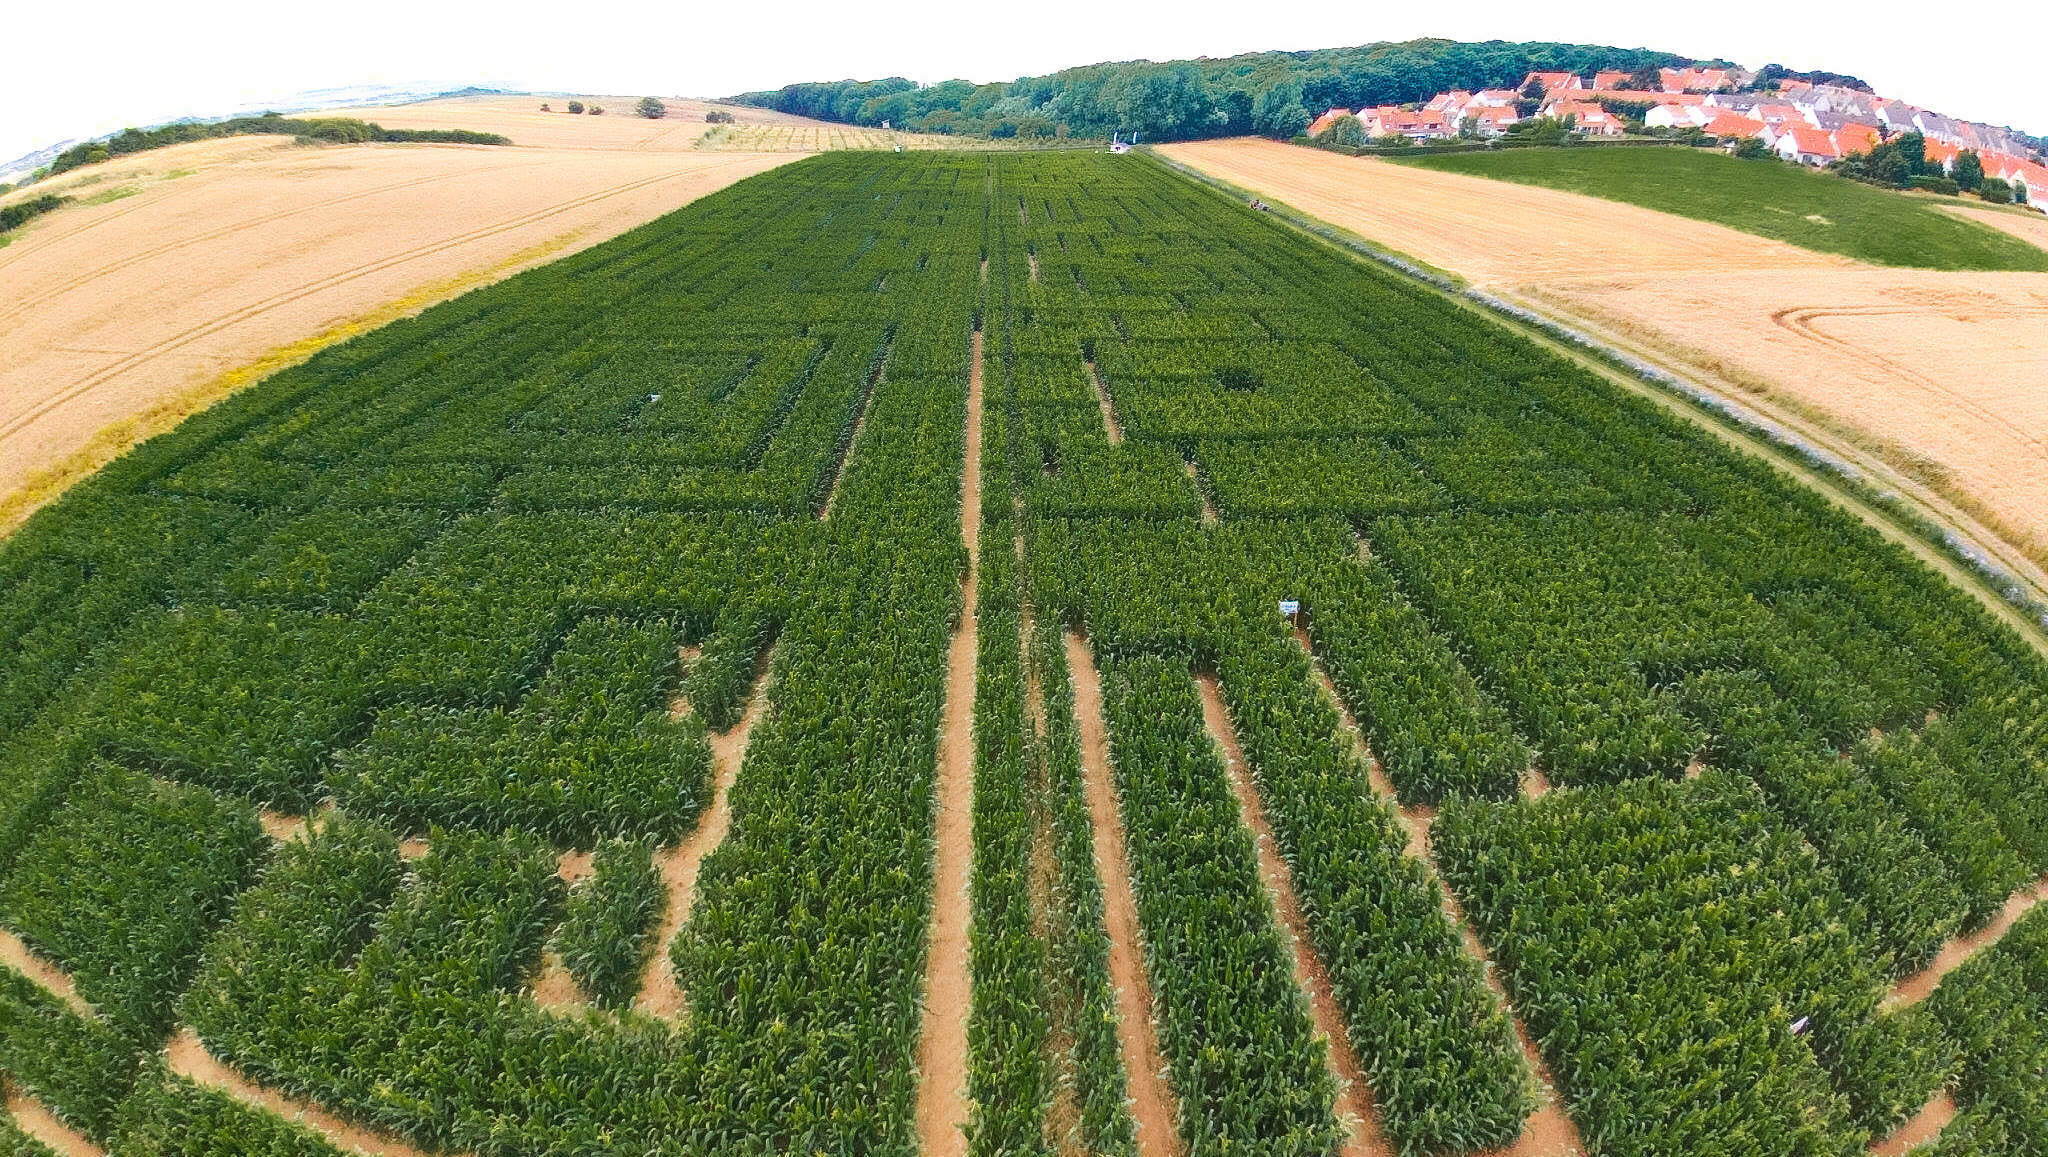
pixel 1261 92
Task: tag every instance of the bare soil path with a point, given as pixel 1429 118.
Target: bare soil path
pixel 1919 986
pixel 1153 1104
pixel 47 1127
pixel 187 1056
pixel 662 993
pixel 1355 1108
pixel 942 1045
pixel 16 954
pixel 1114 428
pixel 1549 1132
pixel 1924 1126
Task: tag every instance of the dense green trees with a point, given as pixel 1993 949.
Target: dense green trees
pixel 1179 100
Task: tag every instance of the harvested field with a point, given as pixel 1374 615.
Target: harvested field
pixel 184 273
pixel 1941 377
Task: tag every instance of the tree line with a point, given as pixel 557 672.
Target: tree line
pixel 1269 93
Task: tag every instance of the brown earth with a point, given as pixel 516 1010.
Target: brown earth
pixel 942 1045
pixel 187 1056
pixel 1153 1105
pixel 1356 1110
pixel 1921 985
pixel 1548 1132
pixel 1936 381
pixel 47 1127
pixel 662 993
pixel 1923 1127
pixel 181 274
pixel 20 957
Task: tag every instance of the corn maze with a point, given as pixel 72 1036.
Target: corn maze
pixel 523 729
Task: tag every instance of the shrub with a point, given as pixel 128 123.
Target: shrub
pixel 651 108
pixel 575 108
pixel 15 215
pixel 1996 190
pixel 718 116
pixel 1938 185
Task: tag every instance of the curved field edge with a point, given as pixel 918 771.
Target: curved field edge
pixel 1958 546
pixel 118 437
pixel 1783 202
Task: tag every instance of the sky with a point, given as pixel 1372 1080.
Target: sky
pixel 76 71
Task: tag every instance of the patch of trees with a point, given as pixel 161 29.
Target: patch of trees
pixel 1770 76
pixel 1898 163
pixel 22 212
pixel 651 108
pixel 718 116
pixel 336 130
pixel 1268 93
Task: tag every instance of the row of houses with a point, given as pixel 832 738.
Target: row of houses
pixel 1810 124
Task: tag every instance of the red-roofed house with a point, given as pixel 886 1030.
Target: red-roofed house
pixel 1853 138
pixel 1801 142
pixel 1316 126
pixel 1423 126
pixel 1586 118
pixel 1733 125
pixel 1609 79
pixel 1942 153
pixel 1491 121
pixel 2023 174
pixel 1452 101
pixel 1694 79
pixel 1554 82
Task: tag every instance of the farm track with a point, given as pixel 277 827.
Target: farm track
pixel 186 336
pixel 1549 1132
pixel 1153 1104
pixel 1114 428
pixel 16 954
pixel 1919 986
pixel 1355 1107
pixel 1924 1126
pixel 48 1128
pixel 188 1057
pixel 661 994
pixel 942 1044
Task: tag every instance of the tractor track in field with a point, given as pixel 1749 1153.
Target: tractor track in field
pixel 1357 1112
pixel 942 1106
pixel 1153 1103
pixel 1919 1129
pixel 193 333
pixel 661 993
pixel 1549 1131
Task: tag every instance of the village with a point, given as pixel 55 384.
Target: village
pixel 1802 122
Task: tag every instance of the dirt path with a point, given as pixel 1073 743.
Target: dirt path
pixel 280 827
pixel 662 993
pixel 942 1045
pixel 1114 428
pixel 1356 1110
pixel 1922 1128
pixel 19 956
pixel 1548 1132
pixel 1152 1101
pixel 46 1127
pixel 188 1057
pixel 1917 987
pixel 1194 473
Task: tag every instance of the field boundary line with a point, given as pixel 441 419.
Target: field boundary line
pixel 942 1104
pixel 1154 1105
pixel 1357 1110
pixel 46 1126
pixel 189 1057
pixel 661 991
pixel 1549 1126
pixel 1911 990
pixel 1946 543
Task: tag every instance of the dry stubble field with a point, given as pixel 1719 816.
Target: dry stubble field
pixel 182 273
pixel 1943 376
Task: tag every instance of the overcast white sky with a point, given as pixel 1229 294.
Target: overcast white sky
pixel 81 69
